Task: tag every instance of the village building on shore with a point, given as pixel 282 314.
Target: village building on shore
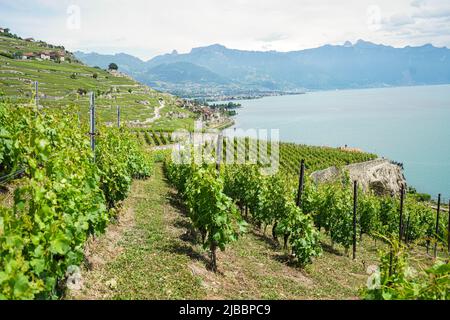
pixel 45 56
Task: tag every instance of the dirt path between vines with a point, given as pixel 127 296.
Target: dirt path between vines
pixel 151 253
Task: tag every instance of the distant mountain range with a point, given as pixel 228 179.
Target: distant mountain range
pixel 218 71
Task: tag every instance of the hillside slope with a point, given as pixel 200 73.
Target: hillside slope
pixel 349 66
pixel 151 254
pixel 127 62
pixel 66 83
pixel 183 72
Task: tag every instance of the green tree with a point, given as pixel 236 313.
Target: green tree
pixel 113 66
pixel 18 54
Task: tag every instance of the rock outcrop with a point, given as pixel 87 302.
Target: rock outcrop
pixel 381 176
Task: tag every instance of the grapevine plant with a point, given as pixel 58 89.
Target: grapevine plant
pixel 61 200
pixel 396 279
pixel 333 210
pixel 213 199
pixel 303 236
pixel 211 202
pixel 212 211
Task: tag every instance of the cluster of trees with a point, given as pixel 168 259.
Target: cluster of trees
pixel 7 33
pixel 226 106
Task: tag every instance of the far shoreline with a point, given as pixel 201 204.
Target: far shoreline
pixel 326 90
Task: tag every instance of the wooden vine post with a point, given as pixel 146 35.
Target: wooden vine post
pixel 301 184
pixel 407 229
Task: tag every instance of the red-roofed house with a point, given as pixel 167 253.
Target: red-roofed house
pixel 28 55
pixel 207 114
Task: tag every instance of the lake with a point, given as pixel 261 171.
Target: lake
pixel 410 125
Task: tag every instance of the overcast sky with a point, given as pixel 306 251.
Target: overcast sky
pixel 146 28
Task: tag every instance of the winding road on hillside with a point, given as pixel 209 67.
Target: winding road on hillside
pixel 157 115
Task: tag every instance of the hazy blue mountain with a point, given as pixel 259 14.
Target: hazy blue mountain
pixel 358 65
pixel 182 72
pixel 127 63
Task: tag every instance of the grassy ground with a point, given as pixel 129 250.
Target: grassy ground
pixel 138 258
pixel 151 254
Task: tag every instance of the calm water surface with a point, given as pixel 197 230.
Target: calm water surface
pixel 407 124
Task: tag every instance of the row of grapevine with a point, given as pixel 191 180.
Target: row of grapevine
pixel 63 197
pixel 212 212
pixel 317 158
pixel 290 154
pixel 331 207
pixel 269 201
pixel 155 138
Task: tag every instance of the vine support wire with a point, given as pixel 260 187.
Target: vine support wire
pixel 436 236
pixel 11 176
pixel 92 121
pixel 355 205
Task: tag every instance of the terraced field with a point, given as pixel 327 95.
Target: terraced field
pixel 66 84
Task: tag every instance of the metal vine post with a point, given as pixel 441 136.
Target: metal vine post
pixel 92 121
pixel 436 236
pixel 301 183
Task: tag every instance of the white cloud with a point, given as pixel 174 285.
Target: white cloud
pixel 423 21
pixel 273 37
pixel 417 3
pixel 399 19
pixel 146 28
